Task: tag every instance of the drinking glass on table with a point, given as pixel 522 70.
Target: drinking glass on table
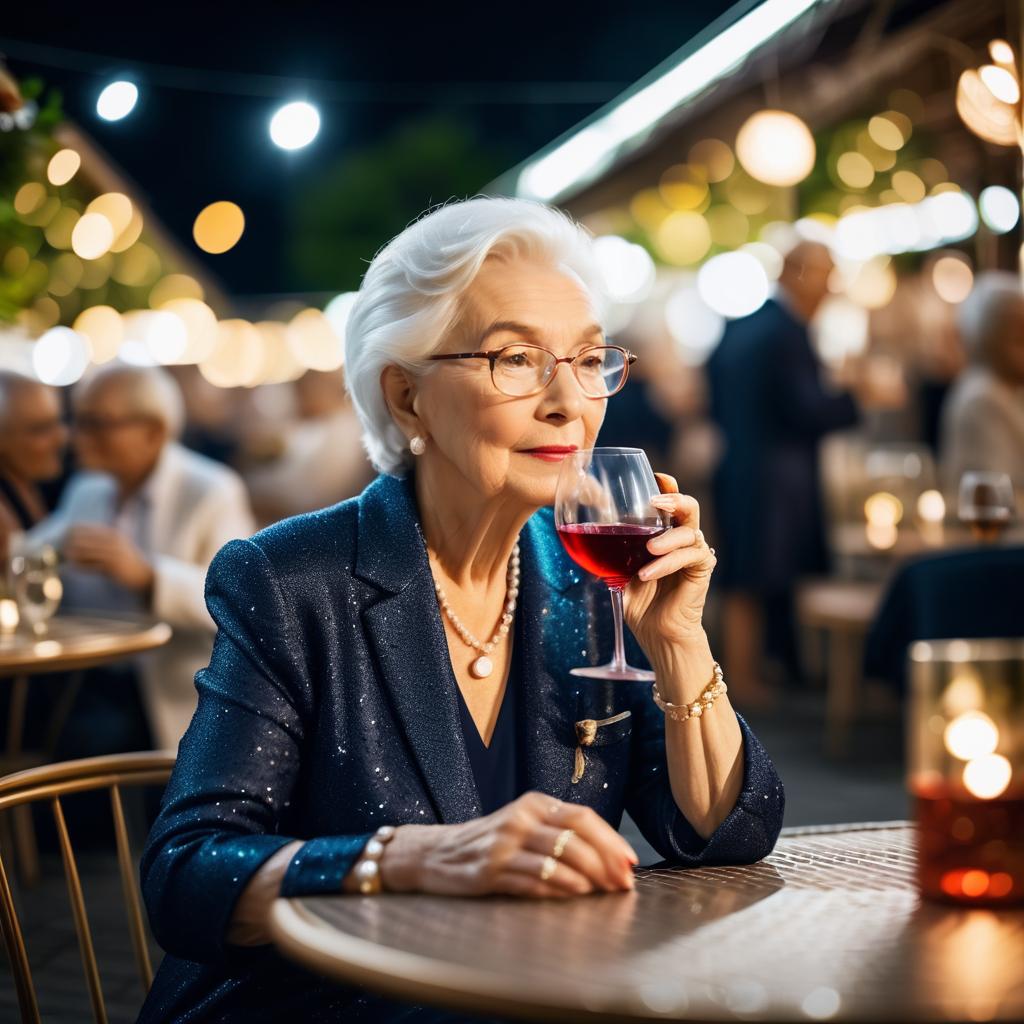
pixel 37 585
pixel 604 518
pixel 986 503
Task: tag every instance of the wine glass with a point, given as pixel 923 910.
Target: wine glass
pixel 986 503
pixel 37 585
pixel 604 518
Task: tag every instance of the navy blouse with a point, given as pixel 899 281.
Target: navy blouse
pixel 329 707
pixel 496 765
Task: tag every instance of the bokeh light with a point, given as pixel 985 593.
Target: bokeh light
pixel 694 325
pixel 683 238
pixel 776 147
pixel 999 208
pixel 103 330
pixel 60 356
pixel 63 166
pixel 931 506
pixel 885 133
pixel 1000 82
pixel 715 157
pixel 684 187
pixel 92 236
pixel 952 278
pixel 884 509
pixel 295 125
pixel 314 342
pixel 970 735
pixel 218 227
pixel 174 286
pixel 116 207
pixel 988 777
pixel 626 269
pixel 855 170
pixel 200 327
pixel 733 284
pixel 117 100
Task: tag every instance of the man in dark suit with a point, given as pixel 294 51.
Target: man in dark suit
pixel 772 408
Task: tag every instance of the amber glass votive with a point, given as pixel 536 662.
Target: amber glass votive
pixel 966 769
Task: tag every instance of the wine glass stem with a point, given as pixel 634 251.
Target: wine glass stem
pixel 619 659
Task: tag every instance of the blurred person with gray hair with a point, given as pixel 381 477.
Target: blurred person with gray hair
pixel 983 415
pixel 140 523
pixel 32 442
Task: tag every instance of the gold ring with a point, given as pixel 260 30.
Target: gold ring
pixel 547 869
pixel 560 843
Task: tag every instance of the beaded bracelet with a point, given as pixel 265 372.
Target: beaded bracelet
pixel 367 870
pixel 681 712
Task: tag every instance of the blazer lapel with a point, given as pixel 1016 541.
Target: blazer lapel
pixel 405 631
pixel 557 635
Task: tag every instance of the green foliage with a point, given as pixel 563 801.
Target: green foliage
pixel 351 209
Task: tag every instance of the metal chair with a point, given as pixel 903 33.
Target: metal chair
pixel 51 783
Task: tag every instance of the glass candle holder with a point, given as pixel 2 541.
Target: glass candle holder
pixel 966 769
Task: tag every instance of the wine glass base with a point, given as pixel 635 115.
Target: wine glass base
pixel 609 671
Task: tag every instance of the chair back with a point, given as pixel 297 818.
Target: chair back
pixel 50 783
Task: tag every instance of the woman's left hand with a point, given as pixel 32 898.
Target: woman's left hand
pixel 664 603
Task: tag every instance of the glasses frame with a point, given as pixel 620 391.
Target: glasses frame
pixel 492 355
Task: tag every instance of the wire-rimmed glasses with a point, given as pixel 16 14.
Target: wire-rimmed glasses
pixel 520 370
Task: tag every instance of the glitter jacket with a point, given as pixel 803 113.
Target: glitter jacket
pixel 329 708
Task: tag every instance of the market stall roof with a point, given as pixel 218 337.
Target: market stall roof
pixel 855 45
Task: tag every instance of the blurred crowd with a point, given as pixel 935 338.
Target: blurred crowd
pixel 138 475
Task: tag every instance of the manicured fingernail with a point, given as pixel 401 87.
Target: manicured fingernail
pixel 661 502
pixel 644 573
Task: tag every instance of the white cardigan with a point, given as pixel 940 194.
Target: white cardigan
pixel 197 506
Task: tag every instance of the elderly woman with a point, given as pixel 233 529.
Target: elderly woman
pixel 344 691
pixel 983 415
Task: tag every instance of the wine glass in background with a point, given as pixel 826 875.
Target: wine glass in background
pixel 986 503
pixel 37 585
pixel 604 518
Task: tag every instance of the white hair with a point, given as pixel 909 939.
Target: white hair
pixel 411 296
pixel 151 391
pixel 982 315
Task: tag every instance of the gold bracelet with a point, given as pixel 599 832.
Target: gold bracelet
pixel 681 712
pixel 367 869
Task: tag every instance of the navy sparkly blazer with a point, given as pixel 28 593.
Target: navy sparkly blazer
pixel 329 707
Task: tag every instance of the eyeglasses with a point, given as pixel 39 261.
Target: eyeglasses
pixel 522 370
pixel 92 423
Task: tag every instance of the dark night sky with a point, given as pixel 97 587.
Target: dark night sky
pixel 185 148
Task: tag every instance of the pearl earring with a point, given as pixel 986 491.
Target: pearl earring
pixel 417 445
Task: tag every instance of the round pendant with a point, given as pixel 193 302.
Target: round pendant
pixel 481 667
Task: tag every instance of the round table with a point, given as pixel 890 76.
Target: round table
pixel 72 642
pixel 829 927
pixel 79 641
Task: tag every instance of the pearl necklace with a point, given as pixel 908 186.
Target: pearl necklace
pixel 483 666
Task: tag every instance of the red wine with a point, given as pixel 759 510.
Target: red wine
pixel 613 551
pixel 969 851
pixel 987 524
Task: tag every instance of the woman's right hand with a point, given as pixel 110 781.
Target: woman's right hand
pixel 504 852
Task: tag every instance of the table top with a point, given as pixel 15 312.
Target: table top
pixel 79 641
pixel 839 604
pixel 830 926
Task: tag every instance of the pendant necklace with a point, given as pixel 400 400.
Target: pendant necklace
pixel 483 666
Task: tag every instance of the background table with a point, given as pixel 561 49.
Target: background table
pixel 829 927
pixel 79 641
pixel 71 643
